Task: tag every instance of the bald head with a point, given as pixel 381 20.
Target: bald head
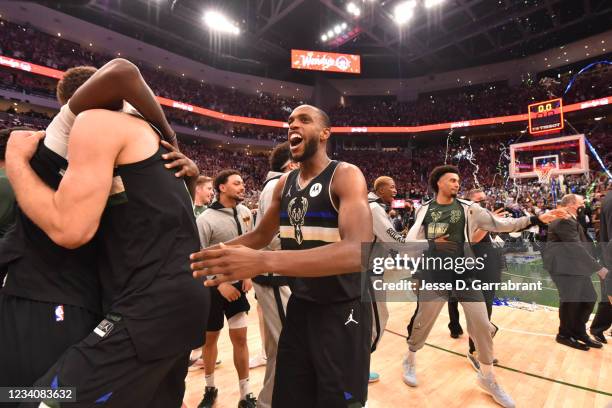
pixel 569 199
pixel 572 203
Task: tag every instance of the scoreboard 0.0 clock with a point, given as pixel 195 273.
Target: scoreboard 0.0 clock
pixel 545 117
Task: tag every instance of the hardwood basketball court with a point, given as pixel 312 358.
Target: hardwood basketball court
pixel 533 368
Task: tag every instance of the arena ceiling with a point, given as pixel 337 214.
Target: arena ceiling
pixel 455 34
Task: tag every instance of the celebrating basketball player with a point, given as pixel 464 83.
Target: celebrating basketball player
pixel 323 214
pixel 450 225
pixel 144 342
pixel 54 291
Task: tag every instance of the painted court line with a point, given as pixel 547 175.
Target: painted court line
pixel 541 377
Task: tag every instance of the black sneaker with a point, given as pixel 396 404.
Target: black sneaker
pixel 456 333
pixel 571 342
pixel 210 396
pixel 600 337
pixel 590 342
pixel 248 402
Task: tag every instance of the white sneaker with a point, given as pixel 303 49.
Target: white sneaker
pixel 257 361
pixel 196 364
pixel 409 373
pixel 490 385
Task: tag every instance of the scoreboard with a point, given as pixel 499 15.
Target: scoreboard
pixel 546 117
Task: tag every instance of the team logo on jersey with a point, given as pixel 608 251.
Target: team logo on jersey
pixel 297 211
pixel 455 216
pixel 436 229
pixel 315 190
pixel 59 313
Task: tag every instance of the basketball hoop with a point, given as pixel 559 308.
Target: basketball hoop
pixel 544 173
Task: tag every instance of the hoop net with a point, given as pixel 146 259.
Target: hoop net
pixel 544 173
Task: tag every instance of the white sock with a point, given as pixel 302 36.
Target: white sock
pixel 244 388
pixel 411 357
pixel 210 380
pixel 486 369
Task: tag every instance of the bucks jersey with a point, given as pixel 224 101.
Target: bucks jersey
pixel 39 269
pixel 146 234
pixel 309 219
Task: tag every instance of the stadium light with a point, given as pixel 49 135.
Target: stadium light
pixel 334 32
pixel 353 9
pixel 404 12
pixel 432 3
pixel 218 22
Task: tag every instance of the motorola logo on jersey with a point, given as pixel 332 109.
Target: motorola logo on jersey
pixel 315 190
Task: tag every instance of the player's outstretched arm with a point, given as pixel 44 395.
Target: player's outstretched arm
pixel 116 81
pixel 235 262
pixel 486 220
pixel 69 216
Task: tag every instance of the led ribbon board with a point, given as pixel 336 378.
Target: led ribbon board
pixel 500 120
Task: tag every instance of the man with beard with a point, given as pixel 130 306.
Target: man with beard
pixel 224 220
pixel 323 215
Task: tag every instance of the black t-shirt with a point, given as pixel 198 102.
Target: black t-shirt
pixel 37 268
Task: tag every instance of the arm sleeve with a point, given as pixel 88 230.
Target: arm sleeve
pixel 485 220
pixel 204 231
pixel 383 229
pixel 56 134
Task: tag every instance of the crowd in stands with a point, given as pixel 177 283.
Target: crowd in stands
pixel 409 167
pixel 473 103
pixel 26 42
pixel 30 84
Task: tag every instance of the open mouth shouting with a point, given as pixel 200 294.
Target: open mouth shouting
pixel 295 140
